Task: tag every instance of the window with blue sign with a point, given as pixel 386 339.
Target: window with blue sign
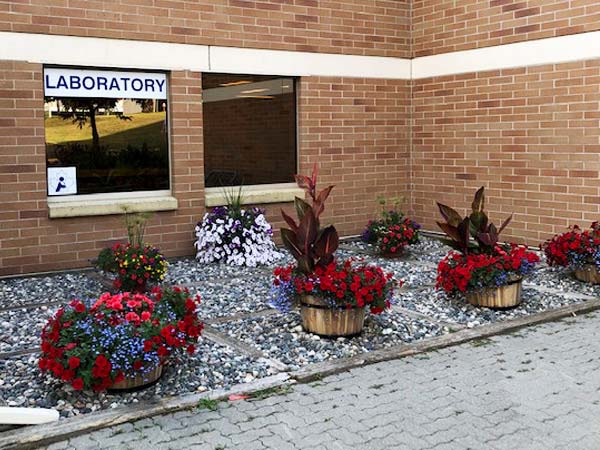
pixel 106 131
pixel 249 129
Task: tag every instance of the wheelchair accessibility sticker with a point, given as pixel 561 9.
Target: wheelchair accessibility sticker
pixel 62 180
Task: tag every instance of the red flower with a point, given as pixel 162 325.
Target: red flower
pixel 132 317
pixel 137 365
pixel 68 375
pixel 78 307
pixel 74 362
pixel 77 384
pixel 119 377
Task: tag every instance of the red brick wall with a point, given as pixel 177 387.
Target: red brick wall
pixel 29 241
pixel 360 27
pixel 530 135
pixel 441 26
pixel 358 131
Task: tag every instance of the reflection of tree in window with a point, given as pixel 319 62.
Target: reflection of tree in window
pixel 117 145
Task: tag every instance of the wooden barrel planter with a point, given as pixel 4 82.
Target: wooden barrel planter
pixel 588 273
pixel 389 255
pixel 507 296
pixel 139 381
pixel 319 318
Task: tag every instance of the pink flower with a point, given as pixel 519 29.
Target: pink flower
pixel 132 317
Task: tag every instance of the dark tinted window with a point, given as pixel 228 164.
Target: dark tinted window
pixel 249 129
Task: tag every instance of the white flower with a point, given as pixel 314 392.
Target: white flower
pixel 241 241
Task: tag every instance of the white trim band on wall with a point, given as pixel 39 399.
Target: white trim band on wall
pixel 555 50
pixel 100 52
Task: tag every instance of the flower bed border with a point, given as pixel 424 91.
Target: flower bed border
pixel 34 436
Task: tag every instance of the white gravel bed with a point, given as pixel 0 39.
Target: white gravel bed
pixel 213 366
pixel 21 329
pixel 413 274
pixel 439 306
pixel 233 296
pixel 563 280
pixel 281 337
pixel 44 289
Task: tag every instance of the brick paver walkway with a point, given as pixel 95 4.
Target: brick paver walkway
pixel 536 389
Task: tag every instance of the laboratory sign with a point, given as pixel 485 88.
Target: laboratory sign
pixel 101 83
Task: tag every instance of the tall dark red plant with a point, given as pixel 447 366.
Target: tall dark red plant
pixel 311 245
pixel 477 226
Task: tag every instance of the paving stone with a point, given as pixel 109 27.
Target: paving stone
pixel 530 390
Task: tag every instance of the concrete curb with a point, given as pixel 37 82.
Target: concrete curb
pixel 34 436
pixel 320 370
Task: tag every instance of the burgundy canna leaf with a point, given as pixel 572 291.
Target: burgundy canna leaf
pixel 450 230
pixel 307 232
pixel 505 223
pixel 301 207
pixel 450 215
pixel 289 239
pixel 478 200
pixel 327 242
pixel 291 222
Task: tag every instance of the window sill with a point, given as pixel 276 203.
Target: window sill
pixel 107 206
pixel 255 195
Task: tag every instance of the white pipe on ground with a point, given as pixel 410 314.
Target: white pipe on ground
pixel 26 416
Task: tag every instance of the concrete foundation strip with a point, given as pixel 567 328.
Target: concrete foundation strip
pixel 33 436
pixel 37 435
